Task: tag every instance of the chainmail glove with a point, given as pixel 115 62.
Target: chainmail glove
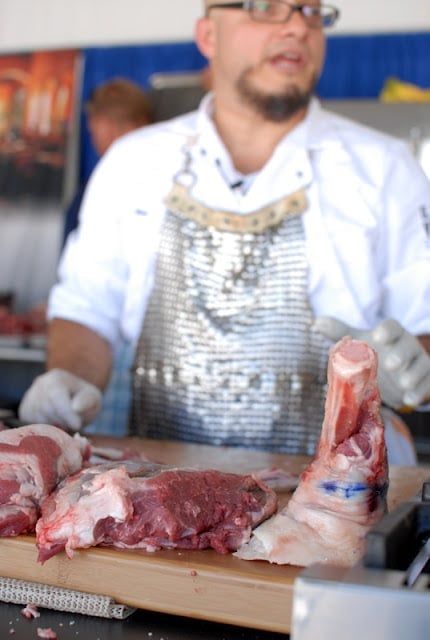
pixel 59 397
pixel 403 364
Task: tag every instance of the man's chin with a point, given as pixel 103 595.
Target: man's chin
pixel 276 106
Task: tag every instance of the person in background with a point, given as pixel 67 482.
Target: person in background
pixel 113 109
pixel 237 243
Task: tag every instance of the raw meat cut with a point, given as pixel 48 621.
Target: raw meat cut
pixel 141 505
pixel 278 479
pixel 343 491
pixel 47 634
pixel 33 459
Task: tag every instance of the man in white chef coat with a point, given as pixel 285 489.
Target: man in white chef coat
pixel 237 243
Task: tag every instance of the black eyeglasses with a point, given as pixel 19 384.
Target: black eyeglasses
pixel 316 16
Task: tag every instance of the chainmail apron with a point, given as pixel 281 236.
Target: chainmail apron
pixel 226 355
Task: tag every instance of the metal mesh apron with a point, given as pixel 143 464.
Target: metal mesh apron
pixel 226 354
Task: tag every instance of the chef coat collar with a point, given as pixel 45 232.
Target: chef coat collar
pixel 311 134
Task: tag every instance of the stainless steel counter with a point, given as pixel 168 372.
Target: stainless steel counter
pixel 139 626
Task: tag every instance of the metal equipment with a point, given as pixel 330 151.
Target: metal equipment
pixel 386 596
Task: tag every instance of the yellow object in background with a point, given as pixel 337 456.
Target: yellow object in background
pixel 395 90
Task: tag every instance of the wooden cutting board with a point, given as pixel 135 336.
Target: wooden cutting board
pixel 198 584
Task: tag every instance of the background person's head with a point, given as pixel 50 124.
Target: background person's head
pixel 115 108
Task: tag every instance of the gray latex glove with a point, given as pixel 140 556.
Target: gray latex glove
pixel 403 364
pixel 61 398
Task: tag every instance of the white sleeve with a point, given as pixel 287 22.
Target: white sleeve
pixel 106 259
pixel 369 252
pixel 405 244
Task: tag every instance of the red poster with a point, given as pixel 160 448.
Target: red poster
pixel 38 98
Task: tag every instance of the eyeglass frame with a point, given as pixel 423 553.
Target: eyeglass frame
pixel 247 5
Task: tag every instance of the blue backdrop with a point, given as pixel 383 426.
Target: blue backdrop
pixel 356 67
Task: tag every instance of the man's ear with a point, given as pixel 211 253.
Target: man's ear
pixel 205 37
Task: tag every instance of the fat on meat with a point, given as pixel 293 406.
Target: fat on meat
pixel 142 505
pixel 342 493
pixel 33 460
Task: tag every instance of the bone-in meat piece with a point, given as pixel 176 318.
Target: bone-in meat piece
pixel 343 491
pixel 33 460
pixel 141 505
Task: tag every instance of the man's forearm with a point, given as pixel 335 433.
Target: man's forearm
pixel 80 350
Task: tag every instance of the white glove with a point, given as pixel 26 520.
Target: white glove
pixel 61 398
pixel 403 364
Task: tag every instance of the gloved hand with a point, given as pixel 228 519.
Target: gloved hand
pixel 403 364
pixel 59 397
